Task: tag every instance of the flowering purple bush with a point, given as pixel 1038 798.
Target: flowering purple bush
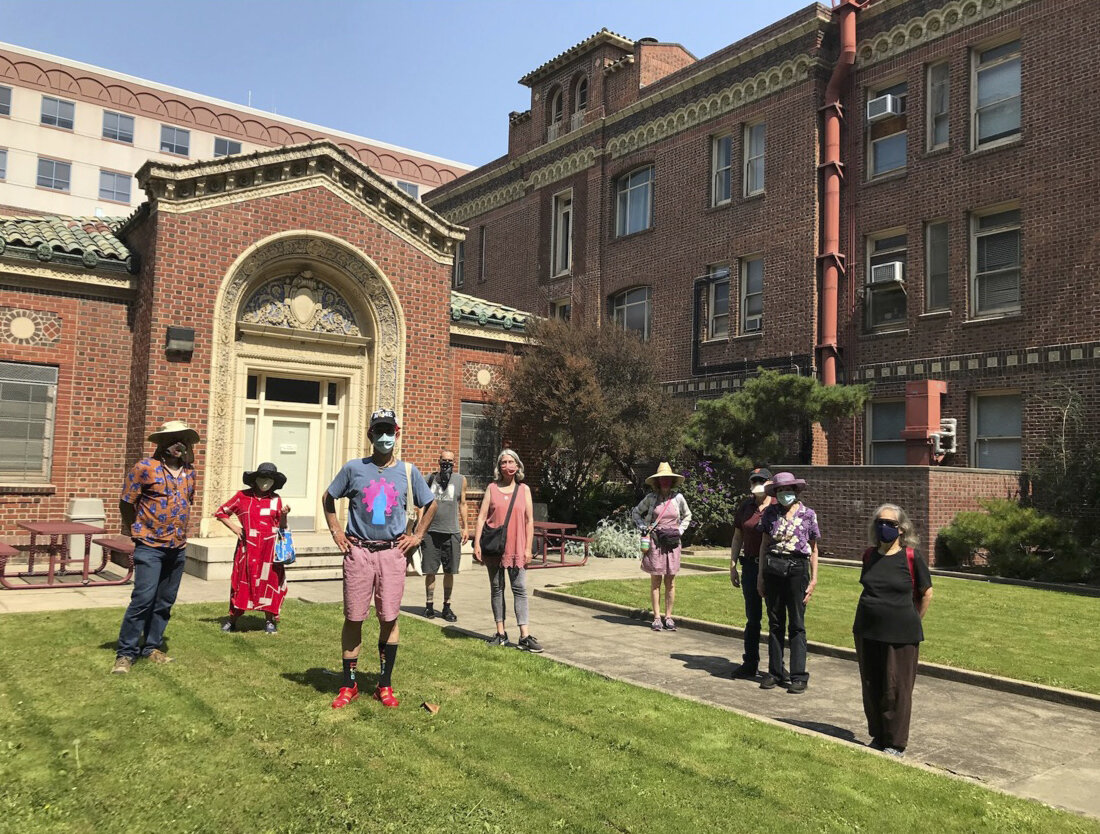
pixel 711 494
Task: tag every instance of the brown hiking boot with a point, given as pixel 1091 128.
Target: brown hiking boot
pixel 157 656
pixel 122 666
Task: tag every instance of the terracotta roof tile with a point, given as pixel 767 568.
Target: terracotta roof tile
pixel 604 35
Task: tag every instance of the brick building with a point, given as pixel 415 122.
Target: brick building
pixel 271 300
pixel 687 200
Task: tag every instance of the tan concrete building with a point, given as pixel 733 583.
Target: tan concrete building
pixel 72 136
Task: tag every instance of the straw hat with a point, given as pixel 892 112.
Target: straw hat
pixel 174 428
pixel 664 471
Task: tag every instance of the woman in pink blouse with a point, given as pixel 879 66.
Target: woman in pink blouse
pixel 519 539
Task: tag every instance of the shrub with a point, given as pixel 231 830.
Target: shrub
pixel 712 497
pixel 616 537
pixel 1018 542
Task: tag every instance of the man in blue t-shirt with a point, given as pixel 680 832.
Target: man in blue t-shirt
pixel 375 545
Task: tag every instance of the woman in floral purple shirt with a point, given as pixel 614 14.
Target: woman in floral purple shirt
pixel 788 576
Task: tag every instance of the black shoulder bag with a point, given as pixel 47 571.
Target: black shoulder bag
pixel 494 539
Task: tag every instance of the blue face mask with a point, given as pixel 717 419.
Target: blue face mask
pixel 886 532
pixel 787 497
pixel 384 443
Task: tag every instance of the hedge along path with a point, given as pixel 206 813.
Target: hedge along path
pixel 237 736
pixel 1032 635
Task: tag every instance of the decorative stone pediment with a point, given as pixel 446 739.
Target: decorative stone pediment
pixel 301 302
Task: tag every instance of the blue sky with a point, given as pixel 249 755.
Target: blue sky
pixel 439 76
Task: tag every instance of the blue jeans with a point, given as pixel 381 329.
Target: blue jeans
pixel 157 574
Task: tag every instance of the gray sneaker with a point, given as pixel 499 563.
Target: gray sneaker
pixel 530 644
pixel 893 751
pixel 498 640
pixel 122 666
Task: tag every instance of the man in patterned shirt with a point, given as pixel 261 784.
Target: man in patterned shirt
pixel 156 506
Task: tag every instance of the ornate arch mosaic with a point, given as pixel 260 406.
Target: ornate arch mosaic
pixel 354 305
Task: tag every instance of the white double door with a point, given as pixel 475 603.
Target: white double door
pixel 293 444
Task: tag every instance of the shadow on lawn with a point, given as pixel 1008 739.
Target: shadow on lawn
pixel 717 666
pixel 841 733
pixel 244 622
pixel 323 680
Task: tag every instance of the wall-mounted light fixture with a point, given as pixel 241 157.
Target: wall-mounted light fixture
pixel 180 341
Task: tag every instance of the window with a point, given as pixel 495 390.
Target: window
pixel 998 433
pixel 995 255
pixel 634 202
pixel 410 188
pixel 481 253
pixel 562 234
pixel 3 164
pixel 581 96
pixel 557 110
pixel 936 292
pixel 885 292
pixel 58 112
pixel 27 397
pixel 996 95
pixel 939 104
pixel 5 101
pixel 752 295
pixel 118 126
pixel 561 309
pixel 888 138
pixel 175 140
pixel 754 158
pixel 886 422
pixel 630 310
pixel 54 174
pixel 718 302
pixel 225 147
pixel 114 186
pixel 458 276
pixel 721 167
pixel 478 444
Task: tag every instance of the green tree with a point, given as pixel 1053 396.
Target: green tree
pixel 757 422
pixel 587 403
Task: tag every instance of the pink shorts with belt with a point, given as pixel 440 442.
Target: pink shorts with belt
pixel 373 573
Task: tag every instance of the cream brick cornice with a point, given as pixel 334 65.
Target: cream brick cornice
pixel 471 182
pixel 929 27
pixel 466 332
pixel 28 276
pixel 180 189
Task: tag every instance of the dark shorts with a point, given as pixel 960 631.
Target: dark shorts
pixel 441 549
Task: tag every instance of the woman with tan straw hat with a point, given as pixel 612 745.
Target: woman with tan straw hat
pixel 663 516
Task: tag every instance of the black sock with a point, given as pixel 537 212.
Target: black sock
pixel 387 656
pixel 429 603
pixel 446 603
pixel 349 671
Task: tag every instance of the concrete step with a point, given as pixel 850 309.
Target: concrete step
pixel 308 573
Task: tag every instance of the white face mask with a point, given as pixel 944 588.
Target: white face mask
pixel 757 489
pixel 265 484
pixel 787 497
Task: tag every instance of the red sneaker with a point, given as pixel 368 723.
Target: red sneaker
pixel 346 696
pixel 385 695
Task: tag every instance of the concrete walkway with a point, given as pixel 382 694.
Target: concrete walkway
pixel 1018 744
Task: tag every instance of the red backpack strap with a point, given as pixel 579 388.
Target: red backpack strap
pixel 911 558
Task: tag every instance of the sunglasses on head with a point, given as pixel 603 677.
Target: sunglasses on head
pixel 889 522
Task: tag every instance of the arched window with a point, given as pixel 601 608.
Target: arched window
pixel 580 96
pixel 630 310
pixel 556 104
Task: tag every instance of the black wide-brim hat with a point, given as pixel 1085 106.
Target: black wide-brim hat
pixel 269 470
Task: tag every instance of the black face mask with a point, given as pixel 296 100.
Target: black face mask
pixel 445 470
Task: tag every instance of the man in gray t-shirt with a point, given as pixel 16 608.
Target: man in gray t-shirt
pixel 446 535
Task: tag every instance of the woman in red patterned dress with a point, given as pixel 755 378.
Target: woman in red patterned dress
pixel 255 515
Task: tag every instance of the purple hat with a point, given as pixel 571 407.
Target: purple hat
pixel 784 480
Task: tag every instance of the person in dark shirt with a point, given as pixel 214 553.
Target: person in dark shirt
pixel 747 535
pixel 897 590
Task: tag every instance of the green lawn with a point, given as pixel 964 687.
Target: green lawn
pixel 1042 636
pixel 238 736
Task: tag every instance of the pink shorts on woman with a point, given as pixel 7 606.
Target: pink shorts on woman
pixel 373 573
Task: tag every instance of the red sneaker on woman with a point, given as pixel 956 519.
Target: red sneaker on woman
pixel 385 695
pixel 346 696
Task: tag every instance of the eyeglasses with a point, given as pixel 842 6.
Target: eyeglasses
pixel 889 522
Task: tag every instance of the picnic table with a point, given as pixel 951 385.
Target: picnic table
pixel 54 561
pixel 554 536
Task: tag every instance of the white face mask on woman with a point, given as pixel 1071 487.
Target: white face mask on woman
pixel 757 489
pixel 787 497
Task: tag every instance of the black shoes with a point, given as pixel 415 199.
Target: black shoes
pixel 744 672
pixel 530 644
pixel 770 681
pixel 797 687
pixel 429 611
pixel 448 614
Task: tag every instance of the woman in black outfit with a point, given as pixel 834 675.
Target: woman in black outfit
pixel 897 590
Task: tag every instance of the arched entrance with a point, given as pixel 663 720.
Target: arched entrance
pixel 308 340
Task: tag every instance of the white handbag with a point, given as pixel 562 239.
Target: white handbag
pixel 414 557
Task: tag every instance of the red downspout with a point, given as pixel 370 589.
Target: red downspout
pixel 831 256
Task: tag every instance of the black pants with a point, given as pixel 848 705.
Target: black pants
pixel 784 596
pixel 754 610
pixel 887 672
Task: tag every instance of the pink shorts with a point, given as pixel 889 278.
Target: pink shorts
pixel 373 573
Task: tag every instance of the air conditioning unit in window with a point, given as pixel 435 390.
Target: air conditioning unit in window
pixel 883 107
pixel 893 271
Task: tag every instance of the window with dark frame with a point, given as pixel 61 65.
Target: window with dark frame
pixel 630 310
pixel 886 447
pixel 995 259
pixel 118 127
pixel 478 444
pixel 998 431
pixel 481 243
pixel 5 101
pixel 634 202
pixel 458 278
pixel 410 188
pixel 175 140
pixel 995 108
pixel 3 163
pixel 114 186
pixel 885 299
pixel 57 112
pixel 561 309
pixel 562 234
pixel 28 395
pixel 225 147
pixel 937 281
pixel 54 174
